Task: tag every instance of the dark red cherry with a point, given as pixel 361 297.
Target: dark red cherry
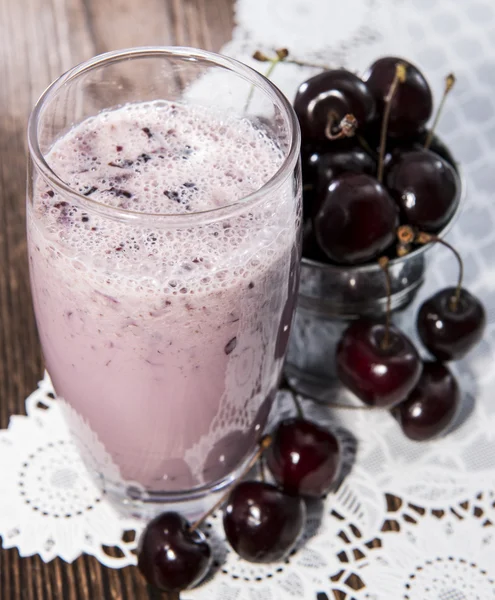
pixel 338 91
pixel 412 104
pixel 425 187
pixel 321 162
pixel 357 219
pixel 171 557
pixel 450 334
pixel 262 523
pixel 304 458
pixel 379 373
pixel 330 164
pixel 437 147
pixel 432 405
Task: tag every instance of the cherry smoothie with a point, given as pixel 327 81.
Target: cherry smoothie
pixel 164 336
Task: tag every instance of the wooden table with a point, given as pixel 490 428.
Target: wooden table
pixel 39 40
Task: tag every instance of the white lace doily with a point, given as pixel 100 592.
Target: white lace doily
pixel 405 518
pixel 411 521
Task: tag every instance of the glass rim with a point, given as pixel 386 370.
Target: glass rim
pixel 249 74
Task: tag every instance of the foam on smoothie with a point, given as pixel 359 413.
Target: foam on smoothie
pixel 163 158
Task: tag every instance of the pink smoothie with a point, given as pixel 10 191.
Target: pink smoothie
pixel 165 338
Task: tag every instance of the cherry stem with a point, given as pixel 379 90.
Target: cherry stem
pixel 427 238
pixel 262 464
pixel 265 442
pixel 303 63
pixel 347 126
pixel 399 77
pixel 297 404
pixel 280 56
pixel 350 406
pixel 449 84
pixel 272 66
pixel 403 250
pixel 283 53
pixel 331 118
pixel 331 404
pixel 406 235
pixel 383 262
pixel 365 146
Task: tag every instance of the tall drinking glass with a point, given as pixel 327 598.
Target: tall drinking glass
pixel 163 221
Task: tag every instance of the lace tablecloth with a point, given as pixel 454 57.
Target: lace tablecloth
pixel 412 521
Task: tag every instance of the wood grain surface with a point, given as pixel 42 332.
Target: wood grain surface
pixel 39 39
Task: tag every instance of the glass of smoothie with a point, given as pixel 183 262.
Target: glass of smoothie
pixel 163 220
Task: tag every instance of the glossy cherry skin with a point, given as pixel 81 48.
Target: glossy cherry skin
pixel 432 405
pixel 437 147
pixel 171 557
pixel 449 334
pixel 261 522
pixel 425 188
pixel 321 163
pixel 379 375
pixel 336 90
pixel 326 166
pixel 331 164
pixel 412 104
pixel 357 219
pixel 304 458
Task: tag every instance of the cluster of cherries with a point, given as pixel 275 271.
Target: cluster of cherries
pixel 369 165
pixel 382 367
pixel 262 521
pixel 377 183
